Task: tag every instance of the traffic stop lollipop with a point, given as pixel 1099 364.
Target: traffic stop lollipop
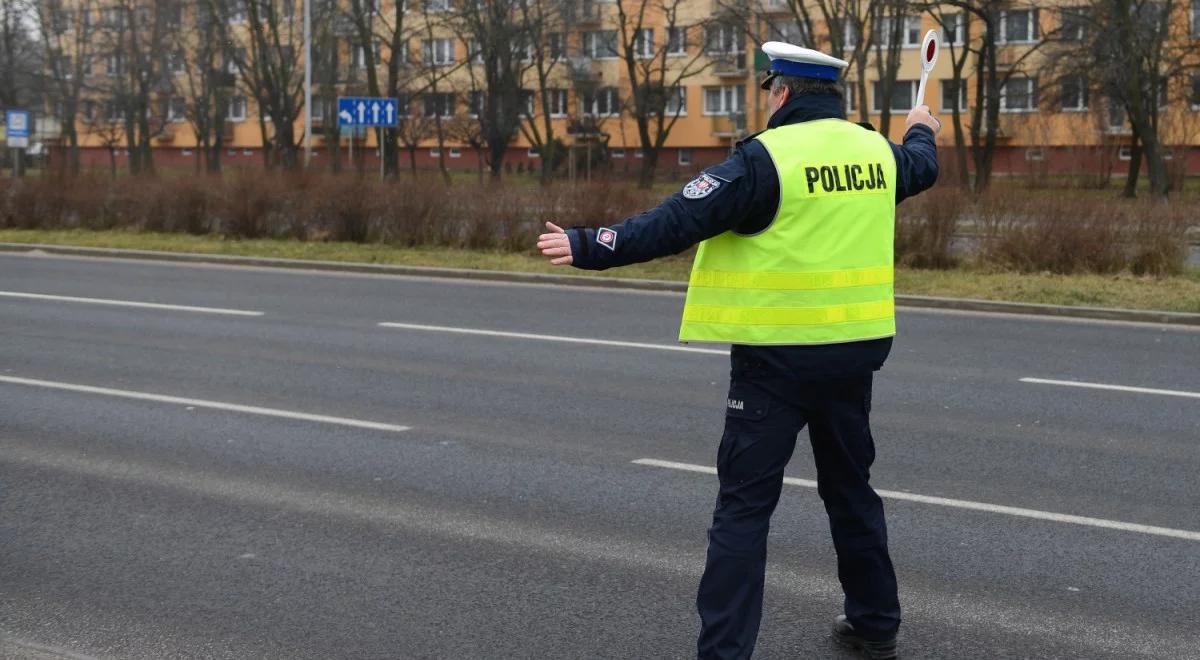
pixel 929 55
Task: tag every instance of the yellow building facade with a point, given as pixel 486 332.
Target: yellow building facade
pixel 708 52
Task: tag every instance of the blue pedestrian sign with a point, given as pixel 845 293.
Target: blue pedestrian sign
pixel 17 128
pixel 367 111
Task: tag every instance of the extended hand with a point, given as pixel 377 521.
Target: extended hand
pixel 920 115
pixel 555 245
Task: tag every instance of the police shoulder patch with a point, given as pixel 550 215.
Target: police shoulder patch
pixel 607 237
pixel 701 187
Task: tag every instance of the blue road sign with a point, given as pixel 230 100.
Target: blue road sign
pixel 17 128
pixel 367 111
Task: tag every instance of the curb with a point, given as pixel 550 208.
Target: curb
pixel 929 302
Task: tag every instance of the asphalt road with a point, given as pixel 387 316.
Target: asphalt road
pixel 286 478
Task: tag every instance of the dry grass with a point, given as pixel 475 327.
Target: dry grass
pixel 1124 290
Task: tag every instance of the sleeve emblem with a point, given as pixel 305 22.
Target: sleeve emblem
pixel 701 187
pixel 607 237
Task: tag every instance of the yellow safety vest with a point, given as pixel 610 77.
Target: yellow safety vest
pixel 821 272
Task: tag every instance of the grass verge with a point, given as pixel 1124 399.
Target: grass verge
pixel 1179 294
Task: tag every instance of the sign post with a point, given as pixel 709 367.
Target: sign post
pixel 929 55
pixel 361 111
pixel 18 136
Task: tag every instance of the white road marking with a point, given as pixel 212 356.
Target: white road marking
pixel 129 303
pixel 202 403
pixel 965 504
pixel 556 338
pixel 1115 388
pixel 12 645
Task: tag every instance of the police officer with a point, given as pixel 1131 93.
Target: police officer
pixel 795 271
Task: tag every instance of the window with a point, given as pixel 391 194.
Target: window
pixel 112 18
pixel 318 110
pixel 643 43
pixel 1074 23
pixel 617 153
pixel 1196 19
pixel 176 109
pixel 602 102
pixel 113 112
pixel 1162 92
pixel 231 60
pixel 527 103
pixel 787 31
pixel 360 55
pixel 558 102
pixel 851 92
pixel 112 64
pixel 1035 154
pixel 1018 95
pixel 557 45
pixel 850 30
pixel 910 31
pixel 954 29
pixel 638 153
pixel 237 109
pixel 904 93
pixel 677 102
pixel 1019 26
pixel 1195 95
pixel 532 152
pixel 475 51
pixel 62 21
pixel 475 104
pixel 600 44
pixel 237 11
pixel 437 5
pixel 176 63
pixel 455 152
pixel 685 156
pixel 1074 94
pixel 724 100
pixel 435 153
pixel 439 105
pixel 724 39
pixel 1125 153
pixel 89 111
pixel 954 93
pixel 438 52
pixel 677 41
pixel 61 65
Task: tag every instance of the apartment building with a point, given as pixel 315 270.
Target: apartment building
pixel 707 49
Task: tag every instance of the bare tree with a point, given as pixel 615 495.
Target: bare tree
pixel 503 49
pixel 657 77
pixel 1132 53
pixel 200 60
pixel 545 25
pixel 66 35
pixel 412 129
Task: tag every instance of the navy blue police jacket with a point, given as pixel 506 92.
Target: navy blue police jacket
pixel 746 202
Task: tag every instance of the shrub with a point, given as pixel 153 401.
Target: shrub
pixel 925 229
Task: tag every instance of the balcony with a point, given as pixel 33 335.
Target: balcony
pixel 774 7
pixel 730 66
pixel 731 126
pixel 582 13
pixel 582 71
pixel 731 7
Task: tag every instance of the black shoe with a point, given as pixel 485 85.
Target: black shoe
pixel 844 634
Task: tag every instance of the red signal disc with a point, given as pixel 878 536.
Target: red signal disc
pixel 930 50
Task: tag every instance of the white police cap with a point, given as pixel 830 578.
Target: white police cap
pixel 790 60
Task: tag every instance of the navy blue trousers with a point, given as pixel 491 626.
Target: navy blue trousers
pixel 764 414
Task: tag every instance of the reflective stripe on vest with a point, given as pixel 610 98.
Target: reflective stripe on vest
pixel 822 272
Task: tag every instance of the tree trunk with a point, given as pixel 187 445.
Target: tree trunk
pixel 1135 168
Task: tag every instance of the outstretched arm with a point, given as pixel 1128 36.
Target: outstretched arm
pixel 710 204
